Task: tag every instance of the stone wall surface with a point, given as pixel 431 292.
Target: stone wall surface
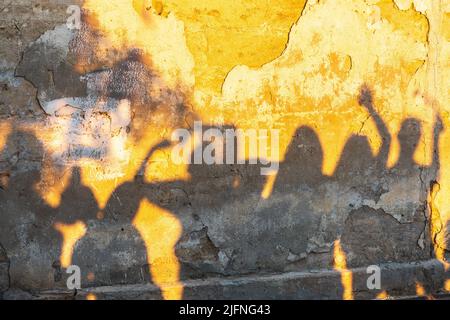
pixel 356 92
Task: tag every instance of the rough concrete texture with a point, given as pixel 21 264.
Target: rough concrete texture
pixel 357 89
pixel 323 285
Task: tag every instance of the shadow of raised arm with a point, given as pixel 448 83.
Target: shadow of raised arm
pixel 365 99
pixel 161 145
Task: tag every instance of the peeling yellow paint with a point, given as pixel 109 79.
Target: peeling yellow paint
pixel 404 18
pixel 223 34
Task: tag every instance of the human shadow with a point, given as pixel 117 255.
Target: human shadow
pixel 298 189
pixel 365 203
pixel 77 201
pixel 26 219
pixel 192 202
pixel 389 204
pixel 115 247
pixel 317 205
pixel 123 257
pixel 302 162
pixel 357 162
pixel 223 205
pixel 74 219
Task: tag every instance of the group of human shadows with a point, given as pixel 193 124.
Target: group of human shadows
pixel 302 165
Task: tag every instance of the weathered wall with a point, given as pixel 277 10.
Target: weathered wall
pixel 357 89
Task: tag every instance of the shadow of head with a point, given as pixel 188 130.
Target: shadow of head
pixel 305 147
pixel 409 137
pixel 356 158
pixel 303 160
